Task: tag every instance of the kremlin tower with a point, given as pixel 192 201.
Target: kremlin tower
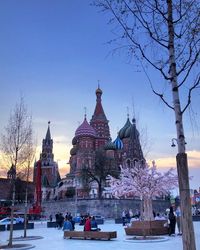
pixel 50 174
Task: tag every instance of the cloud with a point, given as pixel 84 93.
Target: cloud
pixel 167 162
pixel 61 139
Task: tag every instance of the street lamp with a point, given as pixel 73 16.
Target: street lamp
pixel 76 195
pixel 173 142
pixel 11 174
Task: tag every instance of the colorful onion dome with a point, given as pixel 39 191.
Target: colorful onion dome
pixel 110 146
pixel 74 141
pixel 85 130
pixel 131 130
pixel 73 151
pixel 118 143
pixel 123 130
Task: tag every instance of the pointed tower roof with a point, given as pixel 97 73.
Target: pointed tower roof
pixel 48 134
pixel 98 111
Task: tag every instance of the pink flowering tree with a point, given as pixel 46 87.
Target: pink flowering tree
pixel 145 182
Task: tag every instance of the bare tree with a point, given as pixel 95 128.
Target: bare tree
pixel 166 35
pixel 103 166
pixel 15 144
pixel 30 154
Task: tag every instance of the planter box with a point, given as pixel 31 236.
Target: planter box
pixel 196 217
pixel 147 228
pixel 118 221
pixel 20 226
pixel 51 224
pixel 2 227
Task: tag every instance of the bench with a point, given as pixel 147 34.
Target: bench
pixel 97 235
pixel 147 228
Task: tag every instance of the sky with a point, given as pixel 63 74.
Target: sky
pixel 54 53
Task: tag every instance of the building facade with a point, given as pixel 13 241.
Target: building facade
pixel 93 136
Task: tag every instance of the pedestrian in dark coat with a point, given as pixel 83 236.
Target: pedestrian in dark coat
pixel 172 222
pixel 94 226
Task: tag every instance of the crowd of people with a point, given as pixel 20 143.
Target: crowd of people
pixel 67 223
pixel 172 218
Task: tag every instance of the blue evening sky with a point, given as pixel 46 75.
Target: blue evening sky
pixel 54 52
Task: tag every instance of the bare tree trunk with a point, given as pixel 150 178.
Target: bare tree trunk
pixel 12 217
pixel 26 201
pixel 186 211
pixel 148 210
pixel 182 166
pixel 25 213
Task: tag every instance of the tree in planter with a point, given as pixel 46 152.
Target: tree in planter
pixel 14 144
pixel 165 34
pixel 145 182
pixel 103 166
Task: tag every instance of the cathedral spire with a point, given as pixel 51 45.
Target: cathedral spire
pixel 48 134
pixel 99 121
pixel 99 112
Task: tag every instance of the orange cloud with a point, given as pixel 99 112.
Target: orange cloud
pixel 168 162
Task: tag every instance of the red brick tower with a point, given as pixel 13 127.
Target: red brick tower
pixel 99 122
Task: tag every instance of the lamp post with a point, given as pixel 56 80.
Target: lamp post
pixel 184 191
pixel 76 196
pixel 12 176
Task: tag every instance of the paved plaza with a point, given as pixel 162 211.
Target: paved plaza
pixel 53 239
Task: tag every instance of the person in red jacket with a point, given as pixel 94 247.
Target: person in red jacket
pixel 87 226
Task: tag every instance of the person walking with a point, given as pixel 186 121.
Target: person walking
pixel 172 222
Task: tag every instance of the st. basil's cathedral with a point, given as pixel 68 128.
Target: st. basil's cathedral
pixel 89 137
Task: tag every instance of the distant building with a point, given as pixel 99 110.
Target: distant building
pixel 5 189
pixel 95 135
pixel 20 189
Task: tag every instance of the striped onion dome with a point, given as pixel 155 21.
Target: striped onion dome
pixel 110 146
pixel 123 130
pixel 118 143
pixel 73 151
pixel 85 130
